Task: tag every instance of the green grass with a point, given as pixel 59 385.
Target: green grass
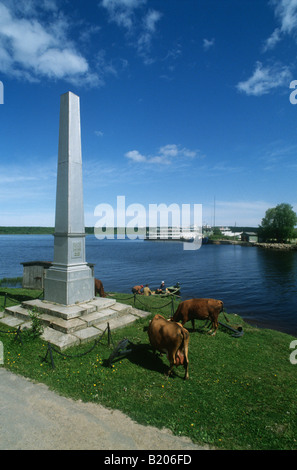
pixel 10 281
pixel 242 392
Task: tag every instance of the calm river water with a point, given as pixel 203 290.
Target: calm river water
pixel 259 285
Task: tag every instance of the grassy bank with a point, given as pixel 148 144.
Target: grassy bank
pixel 10 281
pixel 241 393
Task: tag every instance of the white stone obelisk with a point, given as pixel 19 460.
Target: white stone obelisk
pixel 69 280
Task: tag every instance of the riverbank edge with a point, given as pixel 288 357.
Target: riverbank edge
pixel 270 246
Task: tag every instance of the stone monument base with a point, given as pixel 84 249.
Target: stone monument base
pixel 72 325
pixel 69 284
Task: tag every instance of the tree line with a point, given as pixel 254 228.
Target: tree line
pixel 279 224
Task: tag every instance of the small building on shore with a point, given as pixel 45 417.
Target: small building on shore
pixel 34 273
pixel 250 237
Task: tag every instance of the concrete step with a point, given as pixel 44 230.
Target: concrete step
pixel 73 325
pixel 70 311
pixel 21 314
pixel 48 308
pixel 12 321
pixel 64 326
pixel 58 339
pixel 99 317
pixel 18 311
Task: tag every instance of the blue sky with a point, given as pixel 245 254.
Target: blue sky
pixel 182 101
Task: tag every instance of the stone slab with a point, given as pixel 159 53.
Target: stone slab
pixel 87 308
pixel 65 326
pixel 118 322
pixel 102 302
pixel 11 321
pixel 98 317
pixel 107 312
pixel 18 311
pixel 60 340
pixel 88 334
pixel 139 313
pixel 121 307
pixel 27 325
pixel 62 311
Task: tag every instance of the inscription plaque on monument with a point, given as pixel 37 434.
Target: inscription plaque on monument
pixel 76 249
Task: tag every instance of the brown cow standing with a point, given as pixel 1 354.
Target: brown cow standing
pixel 202 309
pixel 99 288
pixel 171 338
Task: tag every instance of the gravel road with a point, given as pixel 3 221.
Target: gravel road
pixel 32 417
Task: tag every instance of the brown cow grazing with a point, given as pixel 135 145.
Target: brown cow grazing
pixel 200 309
pixel 171 338
pixel 99 289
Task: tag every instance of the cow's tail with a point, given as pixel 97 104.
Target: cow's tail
pixel 182 353
pixel 185 334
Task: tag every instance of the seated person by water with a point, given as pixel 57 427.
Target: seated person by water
pixel 162 289
pixel 137 289
pixel 147 291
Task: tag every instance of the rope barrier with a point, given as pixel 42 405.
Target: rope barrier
pixel 16 333
pixel 17 298
pixel 124 298
pixel 159 306
pixel 136 297
pixel 51 349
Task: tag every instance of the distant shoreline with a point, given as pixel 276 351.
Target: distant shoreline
pixel 269 246
pixel 90 231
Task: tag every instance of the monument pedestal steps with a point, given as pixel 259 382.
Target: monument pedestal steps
pixel 72 325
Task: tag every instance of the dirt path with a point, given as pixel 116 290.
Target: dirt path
pixel 33 417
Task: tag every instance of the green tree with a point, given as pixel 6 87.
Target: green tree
pixel 217 234
pixel 278 224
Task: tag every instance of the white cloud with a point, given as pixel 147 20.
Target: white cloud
pixel 135 156
pixel 122 11
pixel 32 50
pixel 151 20
pixel 265 79
pixel 208 43
pixel 141 27
pixel 170 150
pixel 286 13
pixel 145 38
pixel 99 133
pixel 272 40
pixel 164 156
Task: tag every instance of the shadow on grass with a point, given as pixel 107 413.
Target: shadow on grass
pixel 147 359
pixel 142 355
